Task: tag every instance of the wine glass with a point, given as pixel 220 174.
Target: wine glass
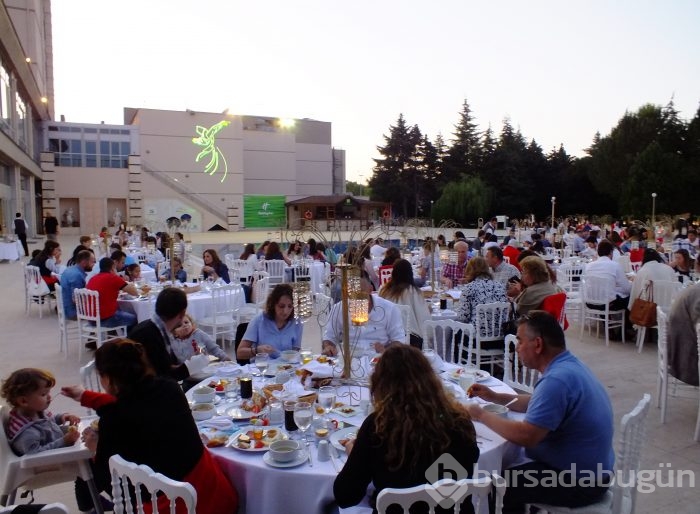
pixel 303 415
pixel 435 302
pixel 262 361
pixel 326 399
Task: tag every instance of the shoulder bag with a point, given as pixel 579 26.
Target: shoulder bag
pixel 643 311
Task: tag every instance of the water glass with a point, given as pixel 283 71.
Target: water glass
pixel 276 415
pixel 262 361
pixel 326 399
pixel 303 416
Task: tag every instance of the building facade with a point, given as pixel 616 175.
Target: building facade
pixel 26 100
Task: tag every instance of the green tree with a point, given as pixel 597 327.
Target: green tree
pixel 464 155
pixel 464 201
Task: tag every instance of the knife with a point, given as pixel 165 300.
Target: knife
pixel 308 450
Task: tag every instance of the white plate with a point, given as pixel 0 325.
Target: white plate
pixel 303 457
pixel 342 434
pixel 236 413
pixel 281 434
pixel 339 411
pixel 481 375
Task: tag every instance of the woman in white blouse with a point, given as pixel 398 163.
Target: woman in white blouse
pixel 402 291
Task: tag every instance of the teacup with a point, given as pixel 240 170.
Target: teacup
pixel 467 379
pixel 285 451
pixel 501 410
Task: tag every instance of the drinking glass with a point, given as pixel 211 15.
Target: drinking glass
pixel 435 302
pixel 262 361
pixel 303 415
pixel 306 355
pixel 326 399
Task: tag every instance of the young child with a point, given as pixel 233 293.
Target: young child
pixel 187 338
pixel 31 428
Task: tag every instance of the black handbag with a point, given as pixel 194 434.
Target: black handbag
pixel 510 327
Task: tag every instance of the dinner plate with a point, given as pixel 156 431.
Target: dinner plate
pixel 303 456
pixel 248 430
pixel 481 375
pixel 342 434
pixel 347 411
pixel 236 413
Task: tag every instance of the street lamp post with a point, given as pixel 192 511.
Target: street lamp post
pixel 362 187
pixel 432 220
pixel 653 212
pixel 554 200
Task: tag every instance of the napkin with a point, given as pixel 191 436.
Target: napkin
pixel 217 422
pixel 228 370
pixel 290 388
pixel 318 369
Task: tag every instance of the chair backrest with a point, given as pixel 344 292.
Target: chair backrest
pixel 632 439
pixel 275 268
pixel 35 283
pixel 261 289
pixel 90 379
pixel 489 321
pixel 87 304
pixel 59 305
pixel 554 304
pixel 662 347
pixel 302 271
pixel 385 274
pixel 442 334
pixel 569 276
pixel 128 477
pixel 226 300
pixel 624 261
pixel 665 291
pixel 597 290
pixel 515 374
pixel 456 492
pixel 406 312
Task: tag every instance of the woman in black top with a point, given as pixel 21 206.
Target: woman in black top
pixel 414 423
pixel 213 267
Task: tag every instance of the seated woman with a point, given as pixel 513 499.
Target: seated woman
pixel 682 264
pixel 273 253
pixel 653 268
pixel 391 255
pixel 480 288
pixel 213 267
pixel 51 251
pixel 403 437
pixel 178 272
pixel 249 254
pixel 315 252
pixel 536 284
pixel 295 251
pixel 273 330
pixel 402 291
pixel 132 273
pixel 147 420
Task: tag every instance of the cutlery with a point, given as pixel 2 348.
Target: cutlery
pixel 511 402
pixel 308 450
pixel 484 438
pixel 334 455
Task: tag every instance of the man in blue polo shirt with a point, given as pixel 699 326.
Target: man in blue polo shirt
pixel 74 278
pixel 568 427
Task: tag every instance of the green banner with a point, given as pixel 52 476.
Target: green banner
pixel 264 211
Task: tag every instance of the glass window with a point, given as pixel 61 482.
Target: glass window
pixel 90 131
pixel 104 147
pixel 53 145
pixel 126 148
pixel 5 115
pixel 22 126
pixel 104 161
pixel 91 161
pixel 76 146
pixel 90 147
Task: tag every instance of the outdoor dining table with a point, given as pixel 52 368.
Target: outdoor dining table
pixel 309 489
pixel 11 251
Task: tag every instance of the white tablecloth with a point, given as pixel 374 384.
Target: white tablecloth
pixel 198 306
pixel 309 490
pixel 11 251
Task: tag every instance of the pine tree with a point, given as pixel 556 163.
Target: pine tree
pixel 464 156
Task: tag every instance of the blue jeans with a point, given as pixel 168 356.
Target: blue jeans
pixel 120 318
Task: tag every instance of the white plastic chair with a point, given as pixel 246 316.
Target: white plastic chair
pixel 441 334
pixel 226 301
pixel 36 290
pixel 275 268
pixel 622 495
pixel 42 469
pixel 433 494
pixel 127 478
pixel 261 289
pixel 663 292
pixel 489 321
pixel 87 304
pixel 597 291
pixel 90 379
pixel 66 327
pixel 241 266
pixel 405 311
pixel 515 374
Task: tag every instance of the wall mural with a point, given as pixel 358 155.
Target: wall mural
pixel 207 140
pixel 158 211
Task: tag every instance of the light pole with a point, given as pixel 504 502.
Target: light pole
pixel 362 187
pixel 432 220
pixel 653 212
pixel 554 200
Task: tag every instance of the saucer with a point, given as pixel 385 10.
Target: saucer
pixel 303 456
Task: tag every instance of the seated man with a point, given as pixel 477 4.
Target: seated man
pixel 385 326
pixel 453 274
pixel 568 426
pixel 74 278
pixel 612 271
pixel 108 285
pixel 502 271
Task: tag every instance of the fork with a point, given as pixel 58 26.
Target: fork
pixel 308 450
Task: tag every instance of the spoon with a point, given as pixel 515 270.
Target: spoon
pixel 511 402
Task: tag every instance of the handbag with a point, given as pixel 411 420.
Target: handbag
pixel 510 327
pixel 643 311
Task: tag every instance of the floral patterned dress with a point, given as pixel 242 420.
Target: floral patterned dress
pixel 479 291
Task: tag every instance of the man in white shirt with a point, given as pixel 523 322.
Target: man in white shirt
pixel 377 251
pixel 384 327
pixel 490 226
pixel 612 272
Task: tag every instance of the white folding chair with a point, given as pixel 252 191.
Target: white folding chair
pixel 597 291
pixel 90 379
pixel 489 327
pixel 37 290
pixel 406 319
pixel 275 268
pixel 456 491
pixel 441 335
pixel 129 480
pixel 226 301
pixel 261 289
pixel 66 327
pixel 42 469
pixel 87 304
pixel 622 495
pixel 663 292
pixel 515 374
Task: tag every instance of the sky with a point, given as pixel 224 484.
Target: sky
pixel 559 70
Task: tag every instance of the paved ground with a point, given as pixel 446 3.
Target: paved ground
pixel 30 341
